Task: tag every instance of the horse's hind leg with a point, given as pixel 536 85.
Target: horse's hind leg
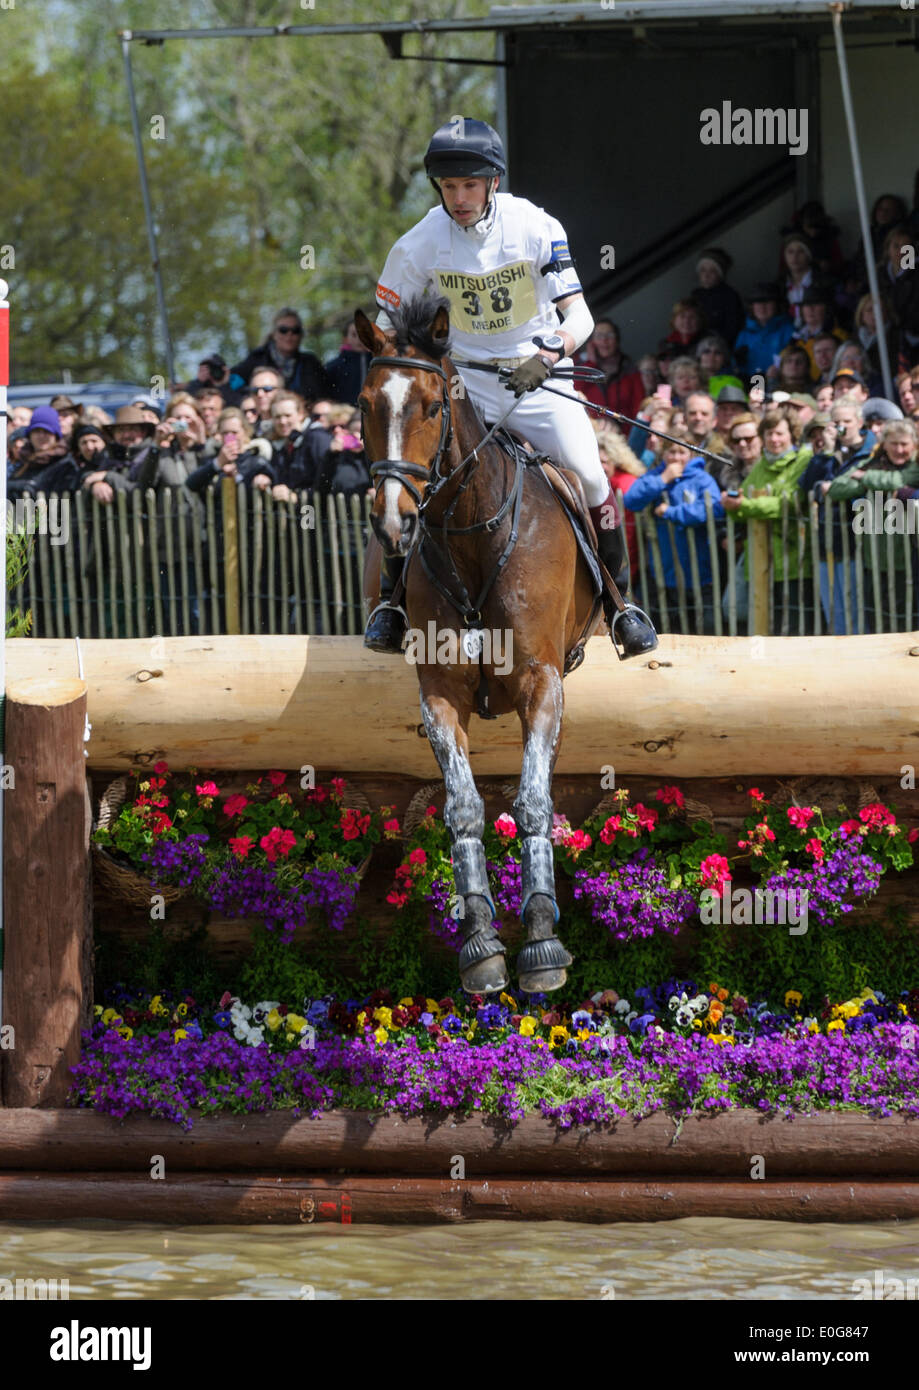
pixel 541 965
pixel 481 964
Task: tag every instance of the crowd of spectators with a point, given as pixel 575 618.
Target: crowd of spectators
pixel 781 395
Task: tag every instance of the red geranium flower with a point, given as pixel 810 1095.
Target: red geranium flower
pixel 801 816
pixel 277 779
pixel 207 789
pixel 241 845
pixel 338 786
pixel 161 768
pixel 756 794
pixel 671 796
pixel 235 805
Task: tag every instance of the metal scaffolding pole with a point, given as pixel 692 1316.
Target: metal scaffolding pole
pixel 126 37
pixel 860 197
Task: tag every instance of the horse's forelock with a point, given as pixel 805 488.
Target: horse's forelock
pixel 413 322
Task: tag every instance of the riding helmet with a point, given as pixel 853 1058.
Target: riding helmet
pixel 465 149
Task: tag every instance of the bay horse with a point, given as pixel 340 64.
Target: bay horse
pixel 460 495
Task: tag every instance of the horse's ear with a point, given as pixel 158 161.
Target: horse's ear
pixel 440 325
pixel 373 338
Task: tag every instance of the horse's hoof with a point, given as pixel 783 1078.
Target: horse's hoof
pixel 542 981
pixel 541 966
pixel 486 976
pixel 482 966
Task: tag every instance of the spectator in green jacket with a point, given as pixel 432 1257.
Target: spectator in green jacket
pixel 884 488
pixel 778 468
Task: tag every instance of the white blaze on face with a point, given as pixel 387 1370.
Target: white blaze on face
pixel 395 389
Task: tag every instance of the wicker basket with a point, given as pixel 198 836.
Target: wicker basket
pixel 129 885
pixel 122 880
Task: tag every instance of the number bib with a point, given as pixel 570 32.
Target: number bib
pixel 496 301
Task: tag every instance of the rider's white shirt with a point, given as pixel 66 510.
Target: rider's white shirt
pixel 501 285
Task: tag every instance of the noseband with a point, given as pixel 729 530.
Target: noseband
pixel 401 469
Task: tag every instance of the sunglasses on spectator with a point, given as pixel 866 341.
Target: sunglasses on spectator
pixel 249 410
pixel 267 390
pixel 744 438
pixel 289 328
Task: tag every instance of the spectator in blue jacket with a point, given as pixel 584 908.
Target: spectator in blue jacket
pixel 675 488
pixel 765 333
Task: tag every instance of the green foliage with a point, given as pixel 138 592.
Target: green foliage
pixel 183 964
pixel 268 146
pixel 276 971
pixel 18 554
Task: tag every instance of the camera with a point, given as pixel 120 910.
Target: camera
pixel 179 425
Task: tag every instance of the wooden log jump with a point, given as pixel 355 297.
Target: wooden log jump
pixel 47 889
pixel 227 1198
pixel 738 706
pixel 820 1146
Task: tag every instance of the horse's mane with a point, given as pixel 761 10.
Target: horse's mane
pixel 413 322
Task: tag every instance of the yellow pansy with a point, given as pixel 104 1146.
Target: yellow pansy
pixel 557 1036
pixel 98 1010
pixel 813 1026
pixel 361 1018
pixel 506 999
pixel 470 1035
pixel 792 996
pixel 381 1035
pixel 431 1006
pixel 528 1026
pixel 181 1010
pixel 583 1034
pixel 405 1003
pixel 124 1031
pixel 295 1023
pixel 697 1023
pixel 721 1038
pixel 111 1016
pixel 835 1024
pixel 179 1034
pixel 157 1007
pixel 274 1020
pixel 383 1017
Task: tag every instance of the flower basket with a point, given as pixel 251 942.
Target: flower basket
pixel 119 879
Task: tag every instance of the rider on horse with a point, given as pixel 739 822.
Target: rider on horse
pixel 505 268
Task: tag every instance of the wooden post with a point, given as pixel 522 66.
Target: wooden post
pixel 760 549
pixel 47 890
pixel 228 491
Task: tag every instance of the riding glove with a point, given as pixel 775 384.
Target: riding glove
pixel 528 375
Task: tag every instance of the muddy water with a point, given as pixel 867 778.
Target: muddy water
pixel 688 1259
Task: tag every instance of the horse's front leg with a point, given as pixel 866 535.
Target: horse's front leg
pixel 481 964
pixel 541 965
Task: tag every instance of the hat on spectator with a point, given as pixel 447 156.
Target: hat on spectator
pixel 84 428
pixel 851 374
pixel 802 398
pixel 214 360
pixel 63 403
pixel 132 415
pixel 877 408
pixel 779 397
pixel 21 433
pixel 816 294
pixel 149 402
pixel 718 258
pixel 763 290
pixel 45 417
pixel 731 395
pixel 817 422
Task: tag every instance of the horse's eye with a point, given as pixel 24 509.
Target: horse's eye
pixel 433 408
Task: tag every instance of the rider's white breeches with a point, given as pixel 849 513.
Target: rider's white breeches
pixel 555 427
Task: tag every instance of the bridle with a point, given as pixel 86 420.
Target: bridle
pixel 401 469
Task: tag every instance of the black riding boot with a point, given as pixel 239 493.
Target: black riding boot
pixel 386 625
pixel 632 631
